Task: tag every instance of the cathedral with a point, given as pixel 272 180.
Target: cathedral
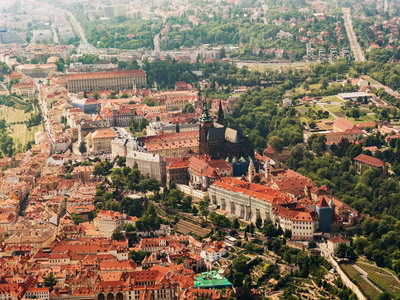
pixel 219 141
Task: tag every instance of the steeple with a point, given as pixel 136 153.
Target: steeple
pixel 221 117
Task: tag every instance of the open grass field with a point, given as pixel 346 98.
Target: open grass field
pixel 382 277
pixel 19 132
pixel 316 86
pixel 365 286
pixel 22 135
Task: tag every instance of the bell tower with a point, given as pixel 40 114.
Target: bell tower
pixel 206 122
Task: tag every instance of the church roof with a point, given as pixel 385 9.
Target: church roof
pixel 232 135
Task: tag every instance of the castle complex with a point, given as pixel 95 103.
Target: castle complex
pixel 219 141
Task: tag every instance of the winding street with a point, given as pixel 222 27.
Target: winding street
pixel 355 46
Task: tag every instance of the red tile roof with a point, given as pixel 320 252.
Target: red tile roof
pixel 369 160
pixel 97 75
pixel 323 203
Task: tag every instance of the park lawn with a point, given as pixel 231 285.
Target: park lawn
pixel 365 286
pixel 22 135
pixel 382 277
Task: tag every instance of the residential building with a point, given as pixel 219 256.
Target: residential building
pixel 107 221
pixel 26 89
pixel 334 242
pixel 177 171
pixel 214 252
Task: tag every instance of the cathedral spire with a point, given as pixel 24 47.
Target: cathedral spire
pixel 221 117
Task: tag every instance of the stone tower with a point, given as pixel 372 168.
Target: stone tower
pixel 267 170
pixel 221 115
pixel 206 122
pixel 252 172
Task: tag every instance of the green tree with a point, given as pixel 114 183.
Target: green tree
pixel 117 235
pixel 50 281
pixel 259 222
pixel 138 256
pixel 317 143
pixel 276 142
pixel 312 244
pixel 324 83
pixel 121 162
pixel 76 218
pixel 341 250
pixel 236 224
pixel 82 147
pixel 203 206
pixel 128 227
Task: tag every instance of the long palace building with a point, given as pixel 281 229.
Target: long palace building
pixel 114 80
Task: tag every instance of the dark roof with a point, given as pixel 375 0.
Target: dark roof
pixel 369 160
pixel 216 133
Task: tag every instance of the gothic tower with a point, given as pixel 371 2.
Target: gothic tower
pixel 221 116
pixel 206 122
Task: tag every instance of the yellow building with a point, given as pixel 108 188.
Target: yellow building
pixel 114 80
pixel 100 141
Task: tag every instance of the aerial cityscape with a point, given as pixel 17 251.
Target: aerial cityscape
pixel 199 149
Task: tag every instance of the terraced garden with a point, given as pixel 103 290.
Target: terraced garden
pixel 384 278
pixel 186 227
pixel 365 286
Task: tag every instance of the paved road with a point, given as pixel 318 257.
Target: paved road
pixel 379 85
pixel 78 27
pixel 355 46
pixel 55 35
pixel 242 63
